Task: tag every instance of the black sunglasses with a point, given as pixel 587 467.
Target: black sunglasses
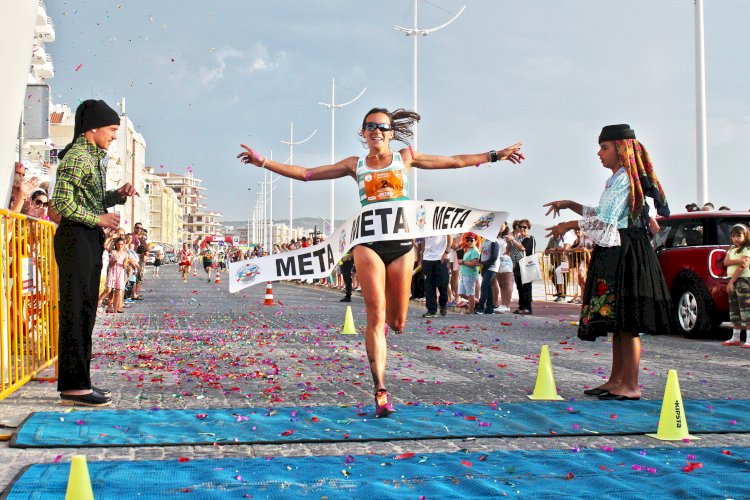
pixel 469 239
pixel 384 127
pixel 40 203
pixel 523 227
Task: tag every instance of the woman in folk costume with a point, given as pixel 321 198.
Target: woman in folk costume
pixel 625 291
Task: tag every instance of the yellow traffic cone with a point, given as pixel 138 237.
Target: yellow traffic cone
pixel 349 323
pixel 79 483
pixel 546 389
pixel 672 422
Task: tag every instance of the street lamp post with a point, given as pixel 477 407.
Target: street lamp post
pixel 291 145
pixel 700 101
pixel 248 225
pixel 423 32
pixel 333 107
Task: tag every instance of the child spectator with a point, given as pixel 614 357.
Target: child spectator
pixel 469 271
pixel 737 262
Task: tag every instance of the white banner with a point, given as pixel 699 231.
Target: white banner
pixel 395 220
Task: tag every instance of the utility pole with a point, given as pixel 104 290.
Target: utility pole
pixel 700 105
pixel 333 107
pixel 423 32
pixel 291 145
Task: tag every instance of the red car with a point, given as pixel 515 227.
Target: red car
pixel 691 249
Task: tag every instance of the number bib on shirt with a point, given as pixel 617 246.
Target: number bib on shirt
pixel 384 185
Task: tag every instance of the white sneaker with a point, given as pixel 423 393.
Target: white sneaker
pixel 502 309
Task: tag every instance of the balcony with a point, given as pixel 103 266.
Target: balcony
pixel 38 55
pixel 41 13
pixel 37 145
pixel 46 70
pixel 45 28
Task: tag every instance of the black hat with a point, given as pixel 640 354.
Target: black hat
pixel 616 133
pixel 91 114
pixel 94 114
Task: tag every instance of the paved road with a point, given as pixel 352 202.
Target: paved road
pixel 194 345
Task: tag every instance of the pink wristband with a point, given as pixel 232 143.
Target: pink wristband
pixel 308 175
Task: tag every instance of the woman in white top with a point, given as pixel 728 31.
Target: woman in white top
pixel 384 268
pixel 503 288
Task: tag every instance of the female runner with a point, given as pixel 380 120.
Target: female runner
pixel 384 267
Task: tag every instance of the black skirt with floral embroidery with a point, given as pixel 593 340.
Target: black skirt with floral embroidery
pixel 625 290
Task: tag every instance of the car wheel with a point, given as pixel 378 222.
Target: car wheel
pixel 692 308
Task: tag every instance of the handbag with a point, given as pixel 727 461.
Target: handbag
pixel 529 268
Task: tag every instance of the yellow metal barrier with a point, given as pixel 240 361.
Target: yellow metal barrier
pixel 571 267
pixel 28 300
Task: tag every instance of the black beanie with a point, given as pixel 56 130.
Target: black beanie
pixel 91 114
pixel 616 133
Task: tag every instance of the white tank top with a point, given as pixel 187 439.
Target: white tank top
pixel 385 184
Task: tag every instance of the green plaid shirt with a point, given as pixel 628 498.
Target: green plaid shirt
pixel 79 193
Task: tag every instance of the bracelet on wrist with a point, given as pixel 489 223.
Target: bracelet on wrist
pixel 492 156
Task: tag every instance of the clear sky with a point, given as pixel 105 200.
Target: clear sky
pixel 202 77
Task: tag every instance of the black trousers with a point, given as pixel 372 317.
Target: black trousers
pixel 346 273
pixel 435 279
pixel 78 251
pixel 524 291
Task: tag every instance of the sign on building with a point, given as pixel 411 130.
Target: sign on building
pixel 36 112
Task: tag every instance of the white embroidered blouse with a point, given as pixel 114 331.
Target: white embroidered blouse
pixel 601 223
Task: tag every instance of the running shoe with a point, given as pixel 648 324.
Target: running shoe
pixel 731 343
pixel 383 406
pixel 429 314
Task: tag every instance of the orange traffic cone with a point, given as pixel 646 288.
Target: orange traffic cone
pixel 268 301
pixel 218 278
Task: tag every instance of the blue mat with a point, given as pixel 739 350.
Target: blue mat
pixel 620 473
pixel 95 428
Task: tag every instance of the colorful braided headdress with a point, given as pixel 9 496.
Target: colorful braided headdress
pixel 643 180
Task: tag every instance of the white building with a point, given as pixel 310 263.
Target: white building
pixel 283 234
pixel 127 163
pixel 165 223
pixel 197 221
pixel 34 142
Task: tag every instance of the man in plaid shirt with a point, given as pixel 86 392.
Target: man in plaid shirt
pixel 80 199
